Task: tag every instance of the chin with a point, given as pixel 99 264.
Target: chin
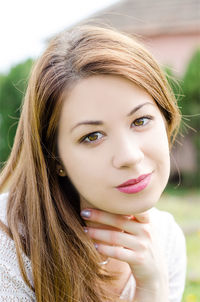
pixel 143 209
pixel 140 207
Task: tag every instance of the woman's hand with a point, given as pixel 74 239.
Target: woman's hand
pixel 132 239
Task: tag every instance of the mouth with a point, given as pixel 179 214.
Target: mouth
pixel 135 185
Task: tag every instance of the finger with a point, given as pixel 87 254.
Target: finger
pixel 117 252
pixel 115 220
pixel 114 238
pixel 129 217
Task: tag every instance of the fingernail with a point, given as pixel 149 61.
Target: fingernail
pixel 96 245
pixel 86 213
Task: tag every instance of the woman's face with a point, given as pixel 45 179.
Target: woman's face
pixel 111 131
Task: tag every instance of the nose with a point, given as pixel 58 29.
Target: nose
pixel 127 153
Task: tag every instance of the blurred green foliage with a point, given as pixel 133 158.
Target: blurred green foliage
pixel 185 207
pixel 187 92
pixel 12 90
pixel 191 90
pixel 191 110
pixel 190 107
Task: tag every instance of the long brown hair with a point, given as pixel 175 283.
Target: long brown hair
pixel 64 260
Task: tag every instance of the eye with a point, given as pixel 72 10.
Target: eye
pixel 91 137
pixel 142 121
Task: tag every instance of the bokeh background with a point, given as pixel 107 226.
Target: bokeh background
pixel 170 29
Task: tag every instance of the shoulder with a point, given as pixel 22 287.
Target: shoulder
pixel 11 281
pixel 170 233
pixel 172 241
pixel 166 225
pixel 163 216
pixel 3 207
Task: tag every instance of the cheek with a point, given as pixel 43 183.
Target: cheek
pixel 81 169
pixel 160 149
pixel 157 147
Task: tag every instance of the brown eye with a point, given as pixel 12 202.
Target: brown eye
pixel 141 121
pixel 92 137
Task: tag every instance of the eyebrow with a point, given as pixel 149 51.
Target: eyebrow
pixel 101 123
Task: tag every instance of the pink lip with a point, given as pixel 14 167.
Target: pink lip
pixel 135 185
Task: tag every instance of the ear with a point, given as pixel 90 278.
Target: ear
pixel 60 170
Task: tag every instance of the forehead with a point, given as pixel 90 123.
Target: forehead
pixel 103 95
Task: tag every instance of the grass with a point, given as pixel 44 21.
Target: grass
pixel 185 207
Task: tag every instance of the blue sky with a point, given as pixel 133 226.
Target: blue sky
pixel 26 24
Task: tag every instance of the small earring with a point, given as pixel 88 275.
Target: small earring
pixel 61 172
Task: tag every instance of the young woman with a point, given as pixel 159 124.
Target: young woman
pixel 89 162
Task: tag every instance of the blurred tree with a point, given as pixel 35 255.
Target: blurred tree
pixel 191 111
pixel 187 91
pixel 12 89
pixel 191 90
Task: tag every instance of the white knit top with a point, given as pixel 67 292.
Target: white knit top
pixel 14 289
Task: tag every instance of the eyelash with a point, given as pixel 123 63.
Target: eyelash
pixel 147 117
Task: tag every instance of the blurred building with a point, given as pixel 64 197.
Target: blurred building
pixel 170 29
